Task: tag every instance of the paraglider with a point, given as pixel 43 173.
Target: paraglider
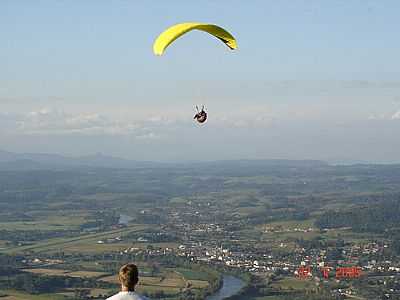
pixel 176 31
pixel 167 37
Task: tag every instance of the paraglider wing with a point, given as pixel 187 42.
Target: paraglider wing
pixel 176 31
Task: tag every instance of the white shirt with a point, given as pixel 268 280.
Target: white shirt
pixel 127 296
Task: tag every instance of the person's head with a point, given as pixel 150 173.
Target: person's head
pixel 128 276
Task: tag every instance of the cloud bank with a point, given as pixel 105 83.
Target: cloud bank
pixel 255 133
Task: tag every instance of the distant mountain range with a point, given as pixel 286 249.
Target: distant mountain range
pixel 28 161
pixel 38 161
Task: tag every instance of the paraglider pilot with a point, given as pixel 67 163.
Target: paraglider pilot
pixel 200 116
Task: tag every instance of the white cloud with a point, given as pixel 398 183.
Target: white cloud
pixel 377 117
pixel 396 115
pixel 53 122
pixel 382 116
pixel 148 136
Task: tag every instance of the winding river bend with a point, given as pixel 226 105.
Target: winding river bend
pixel 231 286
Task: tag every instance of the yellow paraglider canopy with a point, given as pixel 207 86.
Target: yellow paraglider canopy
pixel 174 32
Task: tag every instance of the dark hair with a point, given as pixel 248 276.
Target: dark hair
pixel 129 276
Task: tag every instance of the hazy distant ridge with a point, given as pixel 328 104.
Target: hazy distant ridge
pixel 29 161
pixel 10 160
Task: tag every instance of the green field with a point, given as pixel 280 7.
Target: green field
pixel 290 283
pixel 193 275
pixel 61 272
pixel 47 223
pixel 82 243
pixel 15 295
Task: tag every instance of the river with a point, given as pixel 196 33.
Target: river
pixel 231 286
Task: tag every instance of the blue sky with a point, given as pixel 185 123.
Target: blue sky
pixel 79 76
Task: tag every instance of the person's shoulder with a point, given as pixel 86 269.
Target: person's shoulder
pixel 115 297
pixel 127 296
